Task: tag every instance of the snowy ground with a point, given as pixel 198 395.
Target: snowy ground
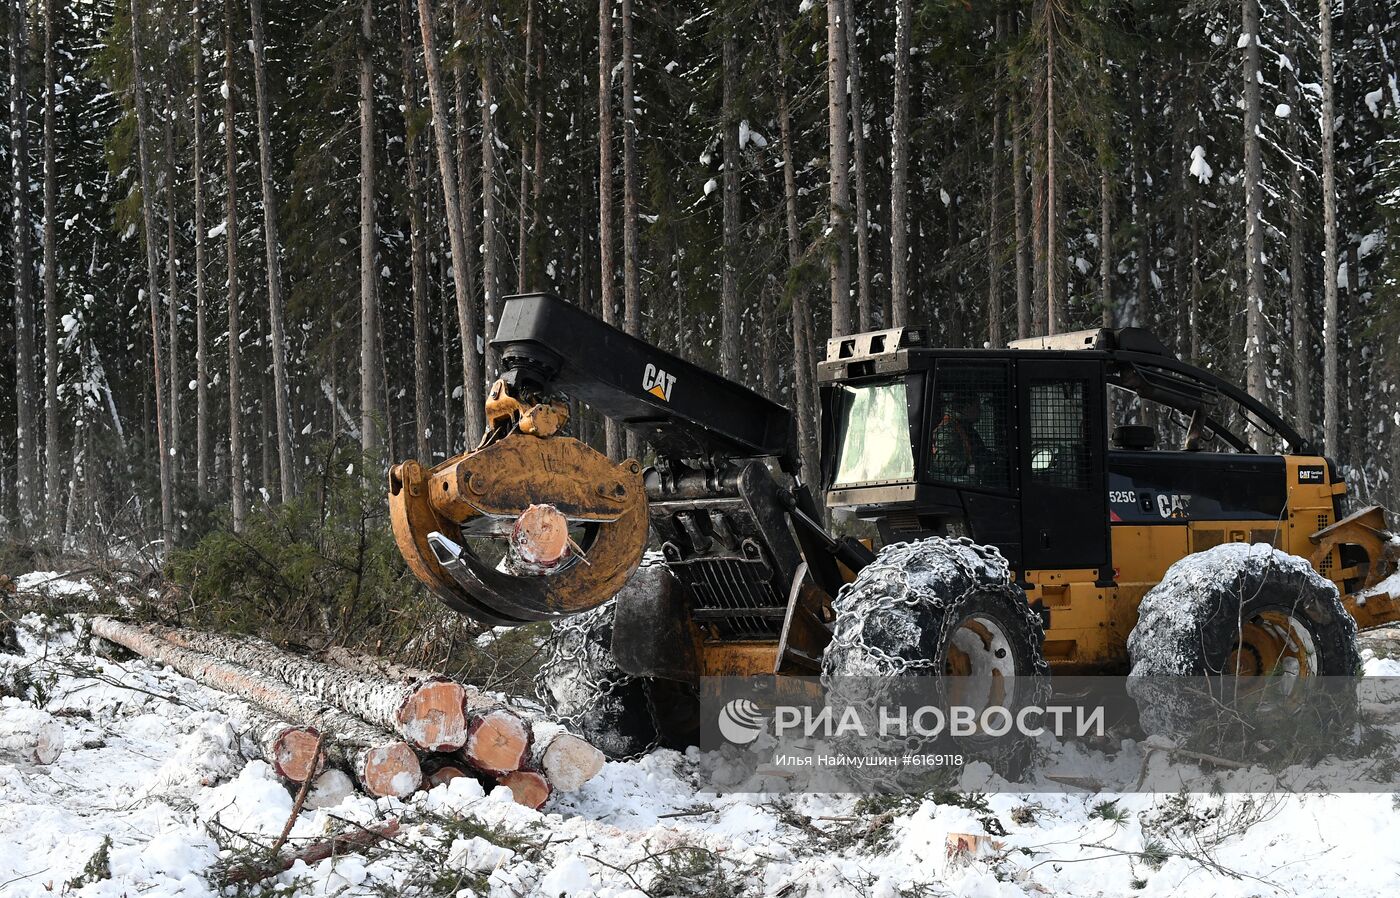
pixel 151 771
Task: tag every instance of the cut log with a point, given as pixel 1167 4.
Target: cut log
pixel 350 742
pixel 294 753
pixel 430 713
pixel 433 716
pixel 540 537
pixel 30 735
pixel 389 769
pixel 375 666
pixel 566 760
pixel 287 748
pixel 439 769
pixel 529 788
pixel 330 788
pixel 498 742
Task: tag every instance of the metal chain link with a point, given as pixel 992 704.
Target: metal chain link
pixel 856 604
pixel 579 649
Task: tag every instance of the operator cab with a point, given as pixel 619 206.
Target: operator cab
pixel 1039 448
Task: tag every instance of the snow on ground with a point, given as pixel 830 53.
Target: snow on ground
pixel 152 772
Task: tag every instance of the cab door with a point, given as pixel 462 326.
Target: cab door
pixel 1063 472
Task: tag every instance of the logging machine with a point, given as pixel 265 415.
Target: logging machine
pixel 1015 449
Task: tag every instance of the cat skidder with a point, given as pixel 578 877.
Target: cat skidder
pixel 1080 503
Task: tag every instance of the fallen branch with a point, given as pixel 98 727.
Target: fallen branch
pixel 314 853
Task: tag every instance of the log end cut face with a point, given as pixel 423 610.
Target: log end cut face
pixel 433 717
pixel 296 753
pixel 498 742
pixel 390 770
pixel 527 788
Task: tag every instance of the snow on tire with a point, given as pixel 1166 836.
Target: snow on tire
pixel 945 609
pixel 1245 609
pixel 1225 640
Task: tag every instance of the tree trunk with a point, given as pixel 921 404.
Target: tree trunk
pixel 528 788
pixel 1142 221
pixel 631 280
pixel 464 209
pixel 994 242
pixel 1298 303
pixel 804 366
pixel 201 345
pixel 371 416
pixel 1055 318
pixel 1022 214
pixel 167 516
pixel 490 253
pixel 418 250
pixel 1331 416
pixel 274 260
pixel 172 305
pixel 52 485
pixel 522 243
pixel 838 222
pixel 1105 224
pixel 566 760
pixel 899 169
pixel 1039 302
pixel 730 342
pixel 359 709
pixel 473 392
pixel 865 306
pixel 385 765
pixel 1255 351
pixel 290 750
pixel 235 400
pixel 26 447
pixel 606 266
pixel 537 234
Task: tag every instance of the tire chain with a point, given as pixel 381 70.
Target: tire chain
pixel 848 612
pixel 576 650
pixel 986 567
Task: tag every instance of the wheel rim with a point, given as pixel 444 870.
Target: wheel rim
pixel 1273 643
pixel 980 661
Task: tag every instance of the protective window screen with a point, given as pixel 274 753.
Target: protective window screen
pixel 874 422
pixel 1059 439
pixel 969 443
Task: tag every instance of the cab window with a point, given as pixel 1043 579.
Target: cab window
pixel 969 441
pixel 874 434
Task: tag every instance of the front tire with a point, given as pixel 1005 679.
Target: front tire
pixel 581 685
pixel 944 609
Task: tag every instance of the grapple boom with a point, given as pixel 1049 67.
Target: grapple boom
pixel 475 528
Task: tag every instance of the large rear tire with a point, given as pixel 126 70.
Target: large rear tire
pixel 1242 610
pixel 1243 651
pixel 946 610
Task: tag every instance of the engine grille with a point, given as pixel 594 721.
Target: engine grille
pixel 733 595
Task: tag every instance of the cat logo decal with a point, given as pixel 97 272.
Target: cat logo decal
pixel 657 382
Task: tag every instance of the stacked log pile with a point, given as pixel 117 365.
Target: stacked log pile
pixel 394 729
